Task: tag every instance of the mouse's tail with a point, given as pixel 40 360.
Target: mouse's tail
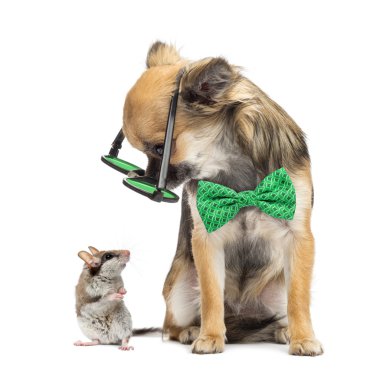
pixel 144 331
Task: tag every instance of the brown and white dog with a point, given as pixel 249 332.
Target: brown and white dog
pixel 249 280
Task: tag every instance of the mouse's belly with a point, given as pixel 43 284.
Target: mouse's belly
pixel 108 328
pixel 97 328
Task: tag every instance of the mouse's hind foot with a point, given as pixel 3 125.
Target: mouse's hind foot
pixel 124 345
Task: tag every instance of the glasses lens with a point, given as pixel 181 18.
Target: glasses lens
pixel 147 186
pixel 121 165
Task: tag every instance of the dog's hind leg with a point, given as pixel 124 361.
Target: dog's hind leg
pixel 248 330
pixel 181 288
pixel 181 293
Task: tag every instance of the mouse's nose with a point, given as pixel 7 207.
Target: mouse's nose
pixel 126 253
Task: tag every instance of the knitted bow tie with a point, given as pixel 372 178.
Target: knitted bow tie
pixel 275 195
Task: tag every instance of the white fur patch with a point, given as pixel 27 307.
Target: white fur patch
pixel 204 155
pixel 274 297
pixel 185 299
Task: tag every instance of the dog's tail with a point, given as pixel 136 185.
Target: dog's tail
pixel 144 331
pixel 241 330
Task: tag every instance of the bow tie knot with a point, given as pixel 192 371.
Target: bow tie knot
pixel 275 195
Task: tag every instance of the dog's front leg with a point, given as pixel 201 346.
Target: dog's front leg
pixel 209 262
pixel 301 257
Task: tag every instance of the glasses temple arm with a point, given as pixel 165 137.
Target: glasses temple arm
pixel 117 143
pixel 168 142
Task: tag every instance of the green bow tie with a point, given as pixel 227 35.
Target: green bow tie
pixel 275 195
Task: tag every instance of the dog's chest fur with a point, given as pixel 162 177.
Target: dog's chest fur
pixel 254 248
pixel 254 244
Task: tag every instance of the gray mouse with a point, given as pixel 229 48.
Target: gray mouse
pixel 101 312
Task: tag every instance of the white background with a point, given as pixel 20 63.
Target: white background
pixel 65 67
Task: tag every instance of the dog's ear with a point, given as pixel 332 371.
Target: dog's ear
pixel 162 54
pixel 206 81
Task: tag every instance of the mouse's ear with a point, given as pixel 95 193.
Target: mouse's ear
pixel 90 260
pixel 93 250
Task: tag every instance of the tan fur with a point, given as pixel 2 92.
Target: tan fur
pixel 211 338
pixel 155 87
pixel 302 258
pixel 162 54
pixel 143 124
pixel 300 329
pixel 301 261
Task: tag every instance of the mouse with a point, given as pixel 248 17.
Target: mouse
pixel 101 313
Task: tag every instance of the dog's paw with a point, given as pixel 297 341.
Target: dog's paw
pixel 208 345
pixel 308 347
pixel 281 335
pixel 188 335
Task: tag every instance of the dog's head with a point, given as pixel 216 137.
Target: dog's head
pixel 203 94
pixel 223 121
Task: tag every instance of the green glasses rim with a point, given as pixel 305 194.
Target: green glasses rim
pixel 121 165
pixel 147 187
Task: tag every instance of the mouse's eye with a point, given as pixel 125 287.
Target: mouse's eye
pixel 159 149
pixel 108 256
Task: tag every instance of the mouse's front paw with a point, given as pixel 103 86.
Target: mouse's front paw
pixel 115 297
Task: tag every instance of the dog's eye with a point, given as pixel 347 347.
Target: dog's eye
pixel 159 149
